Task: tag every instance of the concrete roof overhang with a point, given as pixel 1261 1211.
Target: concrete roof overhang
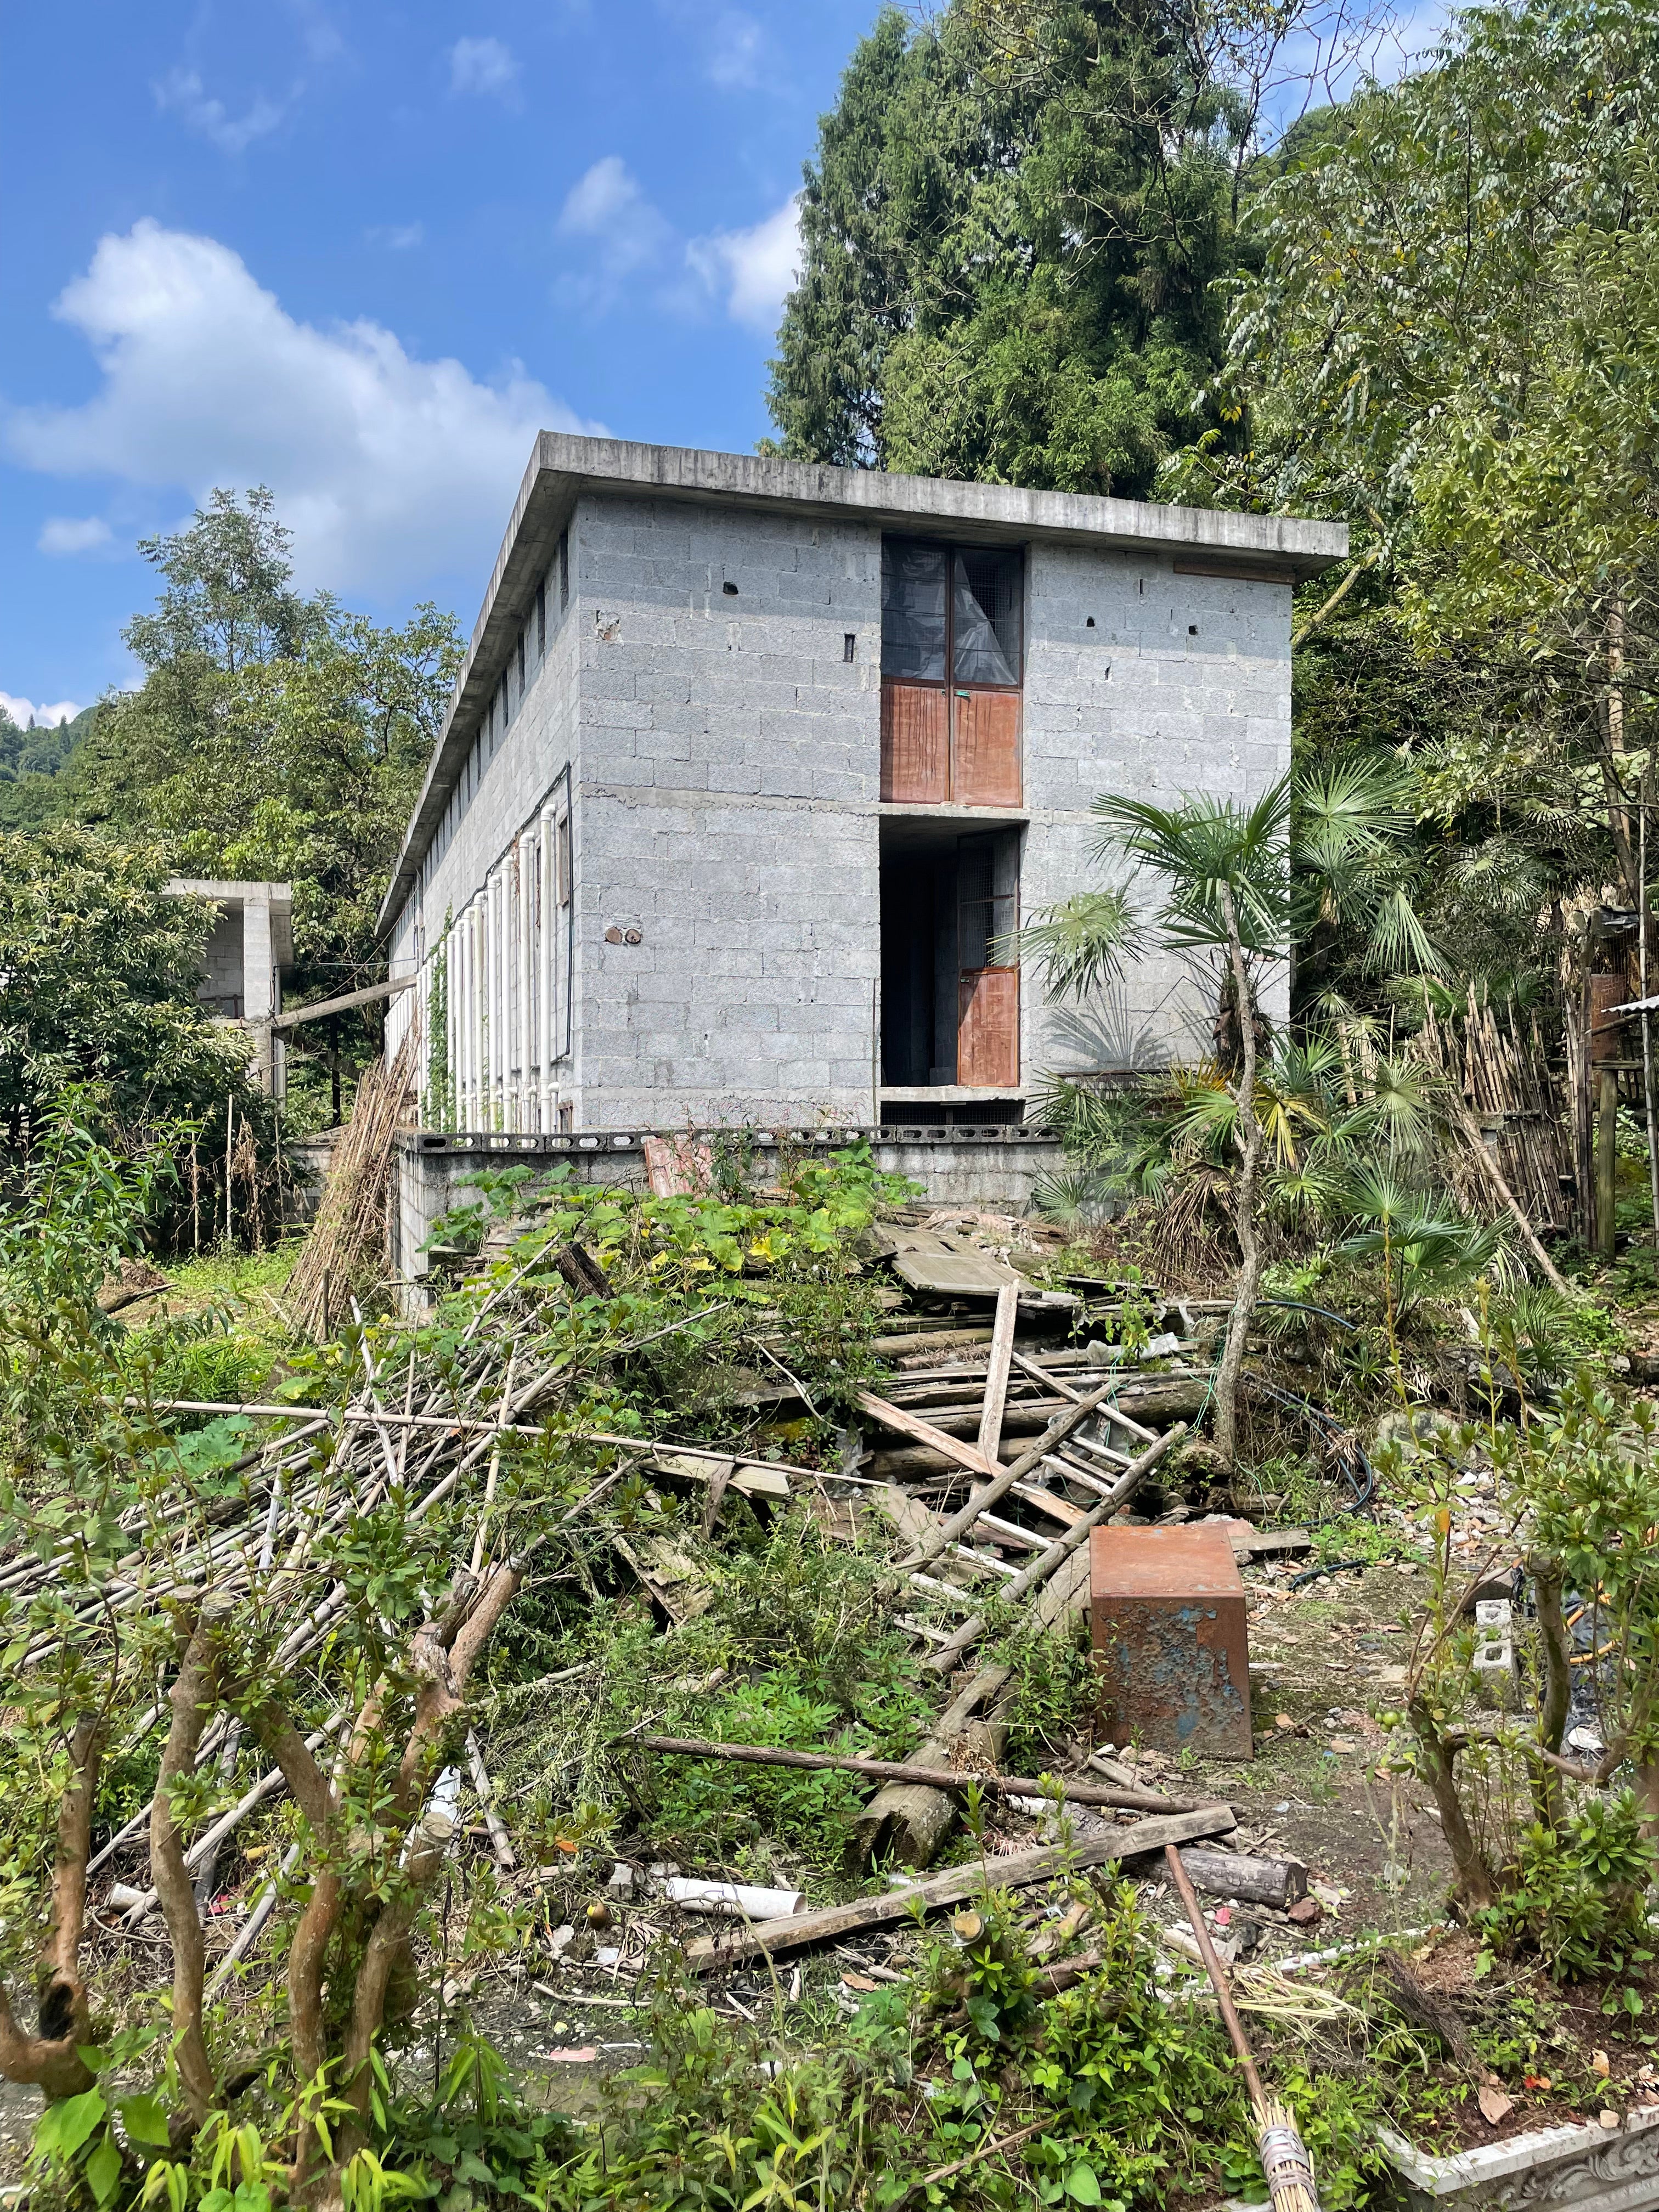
pixel 1206 541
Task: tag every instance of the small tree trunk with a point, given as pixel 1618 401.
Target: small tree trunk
pixel 1557 1700
pixel 188 1698
pixel 50 2060
pixel 1249 1138
pixel 1474 1885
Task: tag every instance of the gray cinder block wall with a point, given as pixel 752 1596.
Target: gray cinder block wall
pixel 660 676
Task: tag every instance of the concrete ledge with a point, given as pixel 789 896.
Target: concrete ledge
pixel 997 1166
pixel 1592 2169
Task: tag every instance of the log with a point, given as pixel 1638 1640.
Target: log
pixel 1018 1871
pixel 908 1820
pixel 1277 1882
pixel 942 1661
pixel 898 1770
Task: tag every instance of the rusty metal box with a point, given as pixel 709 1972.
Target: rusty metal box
pixel 1166 1609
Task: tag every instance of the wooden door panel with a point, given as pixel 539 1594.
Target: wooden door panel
pixel 987 1027
pixel 985 770
pixel 915 745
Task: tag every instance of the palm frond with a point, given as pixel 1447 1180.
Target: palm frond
pixel 1078 944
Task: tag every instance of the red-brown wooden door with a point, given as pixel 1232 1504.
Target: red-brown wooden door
pixel 987 1029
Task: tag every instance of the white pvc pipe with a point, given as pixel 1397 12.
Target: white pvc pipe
pixel 735 1899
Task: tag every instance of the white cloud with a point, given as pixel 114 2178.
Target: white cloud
pixel 481 65
pixel 64 534
pixel 389 470
pixel 21 711
pixel 396 237
pixel 182 91
pixel 750 270
pixel 735 51
pixel 607 205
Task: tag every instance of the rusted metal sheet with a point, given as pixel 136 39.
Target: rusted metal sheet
pixel 987 1029
pixel 985 770
pixel 1166 1610
pixel 915 742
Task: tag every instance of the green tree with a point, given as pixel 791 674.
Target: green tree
pixel 98 976
pixel 1452 339
pixel 1010 234
pixel 274 737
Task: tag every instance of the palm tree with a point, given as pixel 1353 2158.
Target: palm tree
pixel 1225 875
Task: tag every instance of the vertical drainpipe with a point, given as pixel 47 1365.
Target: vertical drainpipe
pixel 526 903
pixel 544 863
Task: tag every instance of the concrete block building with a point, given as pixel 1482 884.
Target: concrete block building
pixel 753 768
pixel 250 949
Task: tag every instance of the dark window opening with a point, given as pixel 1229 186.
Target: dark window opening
pixel 541 618
pixel 850 644
pixel 521 665
pixel 950 988
pixel 564 570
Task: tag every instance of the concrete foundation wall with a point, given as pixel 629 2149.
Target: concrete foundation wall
pixel 954 1168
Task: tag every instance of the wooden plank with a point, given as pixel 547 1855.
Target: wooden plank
pixel 987 1027
pixel 1057 1509
pixel 942 1661
pixel 292 1019
pixel 985 750
pixel 964 1516
pixel 753 1478
pixel 915 742
pixel 1020 1870
pixel 996 1374
pixel 923 1432
pixel 1039 1373
pixel 957 1269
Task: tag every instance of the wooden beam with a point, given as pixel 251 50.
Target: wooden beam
pixel 321 1006
pixel 1018 1871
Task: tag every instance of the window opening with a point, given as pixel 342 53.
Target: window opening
pixel 951 654
pixel 564 570
pixel 541 618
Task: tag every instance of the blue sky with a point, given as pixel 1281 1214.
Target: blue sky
pixel 362 252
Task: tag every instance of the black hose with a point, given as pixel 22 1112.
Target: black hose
pixel 1350 1449
pixel 1300 1305
pixel 1337 1567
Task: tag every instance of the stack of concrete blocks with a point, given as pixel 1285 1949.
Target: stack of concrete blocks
pixel 1494 1646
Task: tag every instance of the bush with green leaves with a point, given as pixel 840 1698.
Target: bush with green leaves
pixel 1574 1489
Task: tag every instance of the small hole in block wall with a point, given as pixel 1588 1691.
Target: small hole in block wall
pixel 850 644
pixel 1089 623
pixel 1191 629
pixel 730 590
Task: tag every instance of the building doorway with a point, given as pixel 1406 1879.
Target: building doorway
pixel 949 992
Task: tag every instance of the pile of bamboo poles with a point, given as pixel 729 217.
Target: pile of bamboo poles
pixel 1500 1070
pixel 345 1254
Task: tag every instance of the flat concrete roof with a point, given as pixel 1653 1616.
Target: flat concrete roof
pixel 1269 548
pixel 229 896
